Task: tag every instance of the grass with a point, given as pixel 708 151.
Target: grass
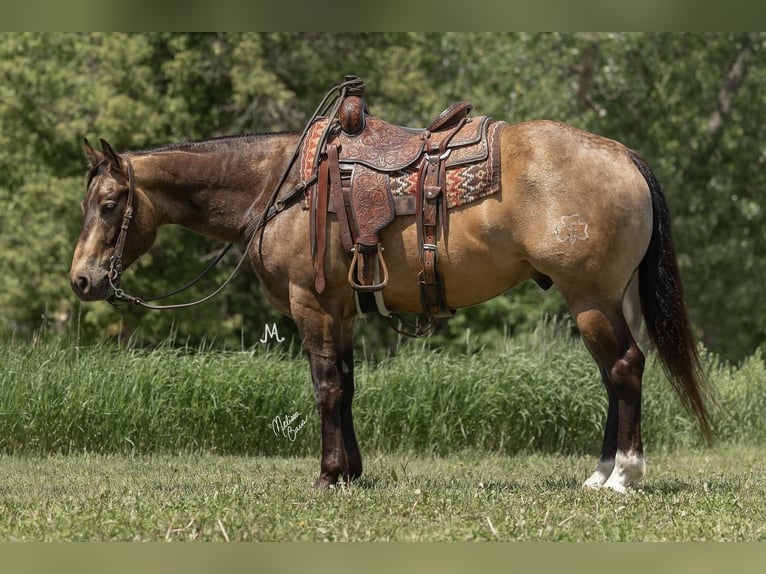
pixel 687 496
pixel 119 443
pixel 543 396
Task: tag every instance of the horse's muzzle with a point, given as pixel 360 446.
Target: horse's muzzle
pixel 90 284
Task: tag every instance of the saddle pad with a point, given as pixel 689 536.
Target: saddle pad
pixel 310 148
pixel 466 182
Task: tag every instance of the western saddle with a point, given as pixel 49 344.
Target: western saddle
pixel 358 158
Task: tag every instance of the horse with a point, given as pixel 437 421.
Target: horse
pixel 574 209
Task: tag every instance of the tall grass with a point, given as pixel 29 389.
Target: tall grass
pixel 539 394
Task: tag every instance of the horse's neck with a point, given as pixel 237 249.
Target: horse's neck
pixel 211 190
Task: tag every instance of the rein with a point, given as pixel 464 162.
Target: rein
pixel 274 206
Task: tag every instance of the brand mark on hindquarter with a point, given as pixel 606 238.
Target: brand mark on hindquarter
pixel 571 228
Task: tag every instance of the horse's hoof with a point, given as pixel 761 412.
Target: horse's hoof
pixel 596 480
pixel 615 487
pixel 325 482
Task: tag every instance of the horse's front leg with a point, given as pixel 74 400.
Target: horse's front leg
pixel 328 343
pixel 350 445
pixel 328 394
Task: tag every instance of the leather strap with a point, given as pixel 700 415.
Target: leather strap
pixel 431 288
pixel 450 116
pixel 337 202
pixel 115 261
pixel 431 212
pixel 319 217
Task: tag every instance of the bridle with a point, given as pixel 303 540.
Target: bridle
pixel 274 206
pixel 115 261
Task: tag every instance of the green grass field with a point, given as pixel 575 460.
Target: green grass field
pixel 687 496
pixel 121 443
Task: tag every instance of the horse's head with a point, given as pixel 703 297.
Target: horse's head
pixel 118 225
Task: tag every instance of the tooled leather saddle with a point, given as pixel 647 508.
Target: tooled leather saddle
pixel 370 171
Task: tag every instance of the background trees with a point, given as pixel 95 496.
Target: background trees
pixel 691 103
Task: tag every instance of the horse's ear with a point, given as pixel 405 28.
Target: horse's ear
pixel 94 157
pixel 111 156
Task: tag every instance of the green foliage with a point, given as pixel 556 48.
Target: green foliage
pixel 674 97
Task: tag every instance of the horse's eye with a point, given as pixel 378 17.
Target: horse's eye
pixel 108 207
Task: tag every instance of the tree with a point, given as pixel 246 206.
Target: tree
pixel 691 103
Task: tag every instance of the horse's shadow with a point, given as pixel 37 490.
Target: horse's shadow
pixel 665 486
pixel 561 483
pixel 383 482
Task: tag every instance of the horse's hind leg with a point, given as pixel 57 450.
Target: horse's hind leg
pixel 606 334
pixel 609 446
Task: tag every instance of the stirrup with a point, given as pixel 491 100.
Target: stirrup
pixel 374 286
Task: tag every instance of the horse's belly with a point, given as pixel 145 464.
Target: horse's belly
pixel 475 262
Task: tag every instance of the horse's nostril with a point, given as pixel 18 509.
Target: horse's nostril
pixel 82 284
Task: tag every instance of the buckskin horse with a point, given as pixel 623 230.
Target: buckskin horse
pixel 315 212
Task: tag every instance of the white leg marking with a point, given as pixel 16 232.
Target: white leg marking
pixel 600 476
pixel 629 468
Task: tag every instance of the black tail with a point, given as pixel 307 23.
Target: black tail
pixel 664 309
